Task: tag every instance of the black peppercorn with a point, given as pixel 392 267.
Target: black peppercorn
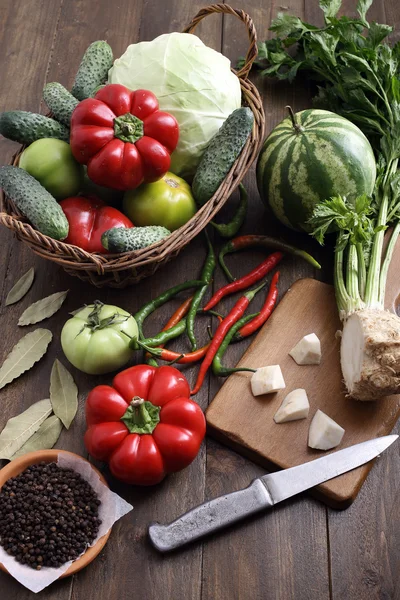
pixel 55 508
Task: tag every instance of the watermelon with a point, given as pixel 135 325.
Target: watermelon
pixel 309 157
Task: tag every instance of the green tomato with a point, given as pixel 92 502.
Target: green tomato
pixel 108 195
pixel 51 162
pixel 94 340
pixel 167 202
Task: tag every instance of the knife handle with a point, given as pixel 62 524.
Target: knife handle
pixel 210 516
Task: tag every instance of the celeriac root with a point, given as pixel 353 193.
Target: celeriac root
pixel 370 354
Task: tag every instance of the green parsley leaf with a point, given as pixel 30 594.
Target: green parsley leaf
pixel 362 8
pixel 330 7
pixel 284 24
pixel 377 33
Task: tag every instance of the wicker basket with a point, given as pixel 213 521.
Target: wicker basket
pixel 125 269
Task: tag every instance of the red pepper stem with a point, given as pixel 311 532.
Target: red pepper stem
pixel 214 313
pixel 137 401
pixel 141 416
pixel 151 362
pixel 153 351
pixel 250 295
pixel 225 372
pixel 128 128
pixel 175 360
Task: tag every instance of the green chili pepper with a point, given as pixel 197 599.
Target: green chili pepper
pixel 151 306
pixel 163 337
pixel 228 230
pixel 218 368
pixel 206 276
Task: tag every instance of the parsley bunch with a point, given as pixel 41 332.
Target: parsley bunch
pixel 356 73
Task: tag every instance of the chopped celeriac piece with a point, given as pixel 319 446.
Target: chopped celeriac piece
pixel 324 432
pixel 295 406
pixel 267 380
pixel 307 351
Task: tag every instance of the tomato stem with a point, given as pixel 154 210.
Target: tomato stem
pixel 93 319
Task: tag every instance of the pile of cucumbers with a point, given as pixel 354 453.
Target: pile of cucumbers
pixel 33 200
pixel 43 210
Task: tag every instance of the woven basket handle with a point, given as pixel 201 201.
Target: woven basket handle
pixel 240 14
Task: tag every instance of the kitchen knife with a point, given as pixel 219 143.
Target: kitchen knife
pixel 262 493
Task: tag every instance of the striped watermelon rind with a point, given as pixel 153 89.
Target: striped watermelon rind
pixel 330 156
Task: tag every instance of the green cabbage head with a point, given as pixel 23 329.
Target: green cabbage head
pixel 191 81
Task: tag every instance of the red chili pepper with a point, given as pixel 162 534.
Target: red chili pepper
pixel 223 328
pixel 180 312
pixel 260 241
pixel 123 137
pixel 88 219
pixel 177 357
pixel 264 314
pixel 244 282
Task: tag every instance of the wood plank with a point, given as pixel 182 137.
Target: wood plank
pixel 26 38
pixel 364 540
pixel 127 553
pixel 271 555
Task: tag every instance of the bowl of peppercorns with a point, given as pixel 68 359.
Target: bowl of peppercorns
pixel 49 514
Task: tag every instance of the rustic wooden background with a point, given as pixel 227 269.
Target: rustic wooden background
pixel 302 550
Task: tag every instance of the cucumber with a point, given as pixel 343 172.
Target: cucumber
pixel 93 70
pixel 34 201
pixel 126 239
pixel 60 102
pixel 26 127
pixel 221 153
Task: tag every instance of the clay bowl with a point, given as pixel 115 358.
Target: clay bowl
pixel 16 466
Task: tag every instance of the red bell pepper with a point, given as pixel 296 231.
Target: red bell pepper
pixel 145 426
pixel 123 137
pixel 88 219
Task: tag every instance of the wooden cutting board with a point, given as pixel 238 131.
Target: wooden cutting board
pixel 245 423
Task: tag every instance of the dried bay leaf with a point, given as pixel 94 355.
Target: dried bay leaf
pixel 44 438
pixel 20 428
pixel 24 355
pixel 63 393
pixel 22 286
pixel 42 309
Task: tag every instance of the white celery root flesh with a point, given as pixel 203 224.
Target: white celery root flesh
pixel 370 354
pixel 295 406
pixel 324 432
pixel 267 380
pixel 307 351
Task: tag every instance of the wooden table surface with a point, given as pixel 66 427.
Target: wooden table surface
pixel 301 550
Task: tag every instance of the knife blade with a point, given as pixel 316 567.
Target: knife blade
pixel 262 493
